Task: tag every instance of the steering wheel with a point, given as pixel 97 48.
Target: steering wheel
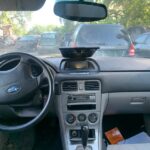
pixel 18 85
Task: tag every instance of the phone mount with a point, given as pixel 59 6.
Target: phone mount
pixel 78 52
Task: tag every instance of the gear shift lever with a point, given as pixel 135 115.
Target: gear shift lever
pixel 84 135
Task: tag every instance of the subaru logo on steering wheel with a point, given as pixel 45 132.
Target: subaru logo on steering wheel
pixel 14 89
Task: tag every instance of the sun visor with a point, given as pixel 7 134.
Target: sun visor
pixel 21 5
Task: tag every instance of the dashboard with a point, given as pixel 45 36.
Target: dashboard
pixel 87 90
pixel 125 81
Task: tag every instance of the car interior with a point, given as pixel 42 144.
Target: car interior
pixel 77 100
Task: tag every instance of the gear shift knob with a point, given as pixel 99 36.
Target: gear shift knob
pixel 84 135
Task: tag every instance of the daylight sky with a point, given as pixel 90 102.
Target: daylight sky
pixel 45 16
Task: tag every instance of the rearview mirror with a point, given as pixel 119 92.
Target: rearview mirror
pixel 80 11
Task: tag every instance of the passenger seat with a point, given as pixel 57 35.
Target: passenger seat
pixel 129 147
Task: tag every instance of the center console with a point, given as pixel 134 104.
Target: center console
pixel 79 114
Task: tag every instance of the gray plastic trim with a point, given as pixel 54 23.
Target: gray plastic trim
pixel 113 82
pixel 128 103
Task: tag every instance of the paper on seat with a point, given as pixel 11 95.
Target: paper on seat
pixel 140 138
pixel 129 147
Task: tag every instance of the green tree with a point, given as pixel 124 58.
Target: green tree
pixel 38 29
pixel 16 19
pixel 68 26
pixel 128 12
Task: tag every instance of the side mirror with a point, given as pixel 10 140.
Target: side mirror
pixel 80 11
pixel 136 43
pixel 125 37
pixel 124 32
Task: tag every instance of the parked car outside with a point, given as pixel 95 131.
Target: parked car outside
pixel 48 43
pixel 142 45
pixel 112 39
pixel 27 43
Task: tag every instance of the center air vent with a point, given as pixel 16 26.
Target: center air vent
pixel 70 86
pixel 91 85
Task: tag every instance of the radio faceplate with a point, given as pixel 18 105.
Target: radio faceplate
pixel 81 102
pixel 81 98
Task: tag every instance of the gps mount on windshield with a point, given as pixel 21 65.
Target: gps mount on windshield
pixel 78 52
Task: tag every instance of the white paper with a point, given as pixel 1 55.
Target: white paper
pixel 140 138
pixel 129 147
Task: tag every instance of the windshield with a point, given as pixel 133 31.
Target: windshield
pixel 124 33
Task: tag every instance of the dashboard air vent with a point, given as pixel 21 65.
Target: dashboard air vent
pixel 91 85
pixel 70 86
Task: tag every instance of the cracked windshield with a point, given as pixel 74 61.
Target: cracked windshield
pixel 124 33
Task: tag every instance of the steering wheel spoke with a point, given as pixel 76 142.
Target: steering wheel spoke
pixel 41 77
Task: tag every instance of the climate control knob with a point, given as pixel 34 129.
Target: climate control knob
pixel 81 117
pixel 70 118
pixel 93 117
